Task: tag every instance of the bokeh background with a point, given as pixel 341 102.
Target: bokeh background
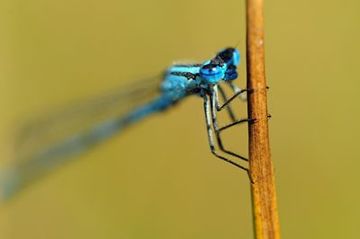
pixel 158 179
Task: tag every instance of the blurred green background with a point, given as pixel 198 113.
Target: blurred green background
pixel 158 179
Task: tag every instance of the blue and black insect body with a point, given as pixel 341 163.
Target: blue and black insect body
pixel 47 143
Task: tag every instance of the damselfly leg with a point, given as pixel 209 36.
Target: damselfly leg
pixel 218 129
pixel 228 107
pixel 228 101
pixel 236 89
pixel 208 121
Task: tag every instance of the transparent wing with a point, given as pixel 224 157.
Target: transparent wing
pixel 47 142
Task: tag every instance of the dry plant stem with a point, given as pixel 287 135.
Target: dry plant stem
pixel 265 213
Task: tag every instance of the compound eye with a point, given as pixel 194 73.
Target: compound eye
pixel 226 54
pixel 230 55
pixel 236 57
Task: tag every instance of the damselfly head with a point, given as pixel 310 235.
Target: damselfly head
pixel 212 71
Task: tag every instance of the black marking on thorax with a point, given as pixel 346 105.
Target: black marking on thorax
pixel 187 75
pixel 187 65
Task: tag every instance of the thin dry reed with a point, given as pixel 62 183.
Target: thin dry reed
pixel 266 221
